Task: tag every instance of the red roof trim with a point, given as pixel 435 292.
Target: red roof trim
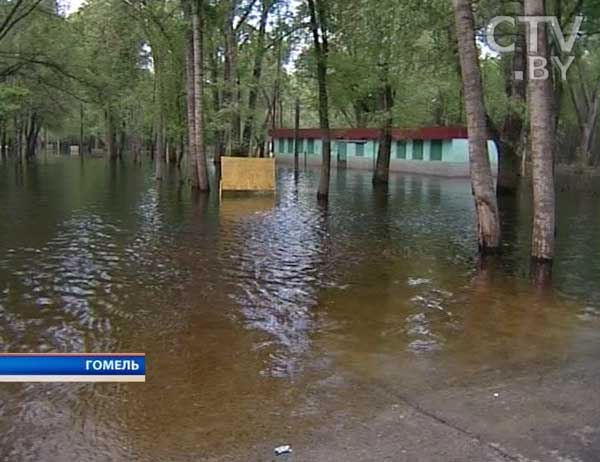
pixel 428 133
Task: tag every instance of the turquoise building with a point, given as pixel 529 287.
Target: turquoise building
pixel 436 150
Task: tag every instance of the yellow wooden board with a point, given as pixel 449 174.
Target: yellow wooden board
pixel 247 174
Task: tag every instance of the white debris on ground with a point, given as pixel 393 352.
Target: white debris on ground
pixel 281 450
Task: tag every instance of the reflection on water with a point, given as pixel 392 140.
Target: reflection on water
pixel 259 313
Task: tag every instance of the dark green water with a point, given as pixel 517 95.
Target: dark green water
pixel 256 312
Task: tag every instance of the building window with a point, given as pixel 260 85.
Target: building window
pixel 290 145
pixel 436 150
pixel 401 150
pixel 417 150
pixel 360 149
pixel 281 149
pixel 310 146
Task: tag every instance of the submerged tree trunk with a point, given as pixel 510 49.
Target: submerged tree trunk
pixel 190 99
pixel 319 31
pixel 198 34
pixel 111 147
pixel 160 147
pixel 297 134
pixel 482 182
pixel 81 129
pixel 542 121
pixel 32 136
pixel 4 148
pixel 381 175
pixel 122 140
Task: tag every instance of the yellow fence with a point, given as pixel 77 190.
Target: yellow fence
pixel 247 174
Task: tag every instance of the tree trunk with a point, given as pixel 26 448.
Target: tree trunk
pixel 542 154
pixel 32 135
pixel 160 147
pixel 276 85
pixel 190 98
pixel 198 33
pixel 122 140
pixel 589 129
pixel 482 182
pixel 219 135
pixel 256 74
pixel 17 137
pixel 297 134
pixel 110 133
pixel 231 93
pixel 511 135
pixel 172 152
pixel 381 175
pixel 319 28
pixel 81 129
pixel 4 139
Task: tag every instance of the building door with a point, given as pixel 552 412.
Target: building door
pixel 342 154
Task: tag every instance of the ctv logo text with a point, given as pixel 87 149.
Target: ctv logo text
pixel 537 65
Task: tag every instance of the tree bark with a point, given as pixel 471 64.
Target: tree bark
pixel 4 149
pixel 542 122
pixel 589 129
pixel 81 129
pixel 198 34
pixel 219 135
pixel 160 147
pixel 297 134
pixel 318 23
pixel 276 85
pixel 231 92
pixel 110 133
pixel 256 74
pixel 381 175
pixel 482 182
pixel 511 136
pixel 190 98
pixel 32 136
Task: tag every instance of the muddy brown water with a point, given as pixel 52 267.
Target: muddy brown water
pixel 259 316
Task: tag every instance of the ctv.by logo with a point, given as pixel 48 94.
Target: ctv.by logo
pixel 537 65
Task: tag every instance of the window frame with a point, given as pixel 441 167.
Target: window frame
pixel 401 147
pixel 421 150
pixel 439 143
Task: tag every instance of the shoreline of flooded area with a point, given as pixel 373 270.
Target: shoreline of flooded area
pixel 357 331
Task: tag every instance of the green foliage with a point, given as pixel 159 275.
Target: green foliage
pixel 12 99
pixel 128 57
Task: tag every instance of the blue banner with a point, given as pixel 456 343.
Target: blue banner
pixel 72 364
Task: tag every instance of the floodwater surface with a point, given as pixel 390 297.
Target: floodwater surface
pixel 263 317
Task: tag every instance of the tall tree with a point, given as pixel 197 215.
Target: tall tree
pixel 190 96
pixel 382 167
pixel 256 75
pixel 198 31
pixel 235 18
pixel 542 129
pixel 318 25
pixel 482 182
pixel 511 136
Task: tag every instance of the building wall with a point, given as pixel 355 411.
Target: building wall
pixel 454 155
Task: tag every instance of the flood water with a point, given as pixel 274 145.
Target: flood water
pixel 263 317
